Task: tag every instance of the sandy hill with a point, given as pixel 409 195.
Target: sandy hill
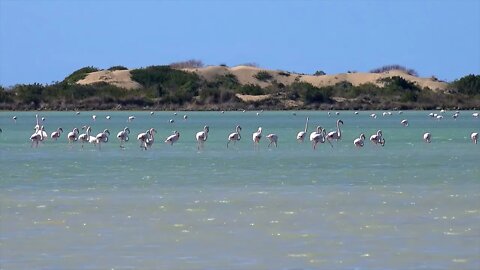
pixel 120 78
pixel 246 75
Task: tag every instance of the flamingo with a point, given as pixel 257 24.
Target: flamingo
pixel 201 137
pixel 256 137
pixel 335 135
pixel 404 122
pixel 427 137
pixel 123 136
pixel 318 136
pixel 378 138
pixel 130 118
pixel 474 137
pixel 143 137
pixel 273 139
pixel 37 136
pixel 173 138
pixel 56 134
pixel 14 119
pixel 359 142
pixel 475 114
pixel 235 136
pixel 301 134
pixel 39 129
pixel 85 137
pixel 94 117
pixel 150 140
pixel 102 137
pixel 72 135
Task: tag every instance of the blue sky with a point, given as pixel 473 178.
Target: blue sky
pixel 44 41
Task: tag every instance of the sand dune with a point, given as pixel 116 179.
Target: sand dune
pixel 120 78
pixel 246 75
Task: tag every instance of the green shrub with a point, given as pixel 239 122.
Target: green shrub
pixel 319 73
pixel 469 85
pixel 117 68
pixel 251 89
pixel 263 76
pixel 80 74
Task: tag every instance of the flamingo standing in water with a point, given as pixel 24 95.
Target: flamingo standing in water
pixel 318 136
pixel 474 137
pixel 360 141
pixel 123 136
pixel 173 138
pixel 335 135
pixel 201 137
pixel 102 137
pixel 72 135
pixel 427 137
pixel 37 136
pixel 256 137
pixel 56 134
pixel 301 134
pixel 150 140
pixel 85 137
pixel 378 138
pixel 235 136
pixel 273 138
pixel 404 122
pixel 142 138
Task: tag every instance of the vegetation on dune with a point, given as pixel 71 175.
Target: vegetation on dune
pixel 263 76
pixel 192 63
pixel 469 85
pixel 80 74
pixel 164 87
pixel 386 68
pixel 117 68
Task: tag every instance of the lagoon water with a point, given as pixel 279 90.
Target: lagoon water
pixel 407 205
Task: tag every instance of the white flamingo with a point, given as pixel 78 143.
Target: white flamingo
pixel 360 141
pixel 475 114
pixel 301 134
pixel 256 137
pixel 102 137
pixel 273 138
pixel 474 137
pixel 427 137
pixel 378 138
pixel 131 118
pixel 142 138
pixel 173 138
pixel 37 136
pixel 150 140
pixel 123 136
pixel 335 135
pixel 404 122
pixel 72 136
pixel 201 137
pixel 86 137
pixel 235 136
pixel 318 136
pixel 56 134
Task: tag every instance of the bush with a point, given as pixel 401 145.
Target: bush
pixel 79 74
pixel 192 63
pixel 117 68
pixel 263 76
pixel 469 85
pixel 251 89
pixel 319 73
pixel 386 68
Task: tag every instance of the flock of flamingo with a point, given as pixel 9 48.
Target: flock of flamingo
pixel 147 138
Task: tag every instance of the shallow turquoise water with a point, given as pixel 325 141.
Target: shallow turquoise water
pixel 408 205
